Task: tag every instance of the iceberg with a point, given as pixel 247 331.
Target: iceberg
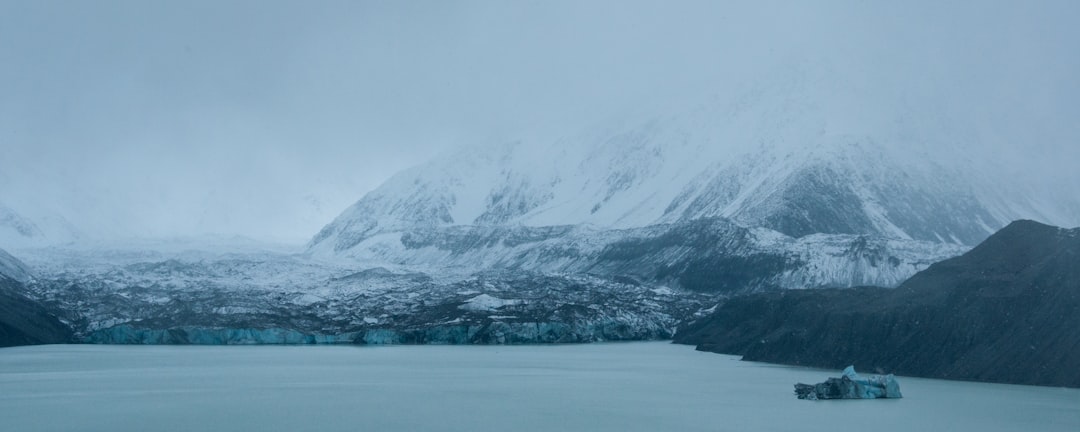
pixel 851 386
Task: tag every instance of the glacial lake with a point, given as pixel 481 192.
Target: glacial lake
pixel 648 386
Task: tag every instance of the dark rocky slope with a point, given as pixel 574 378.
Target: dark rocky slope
pixel 22 320
pixel 1007 311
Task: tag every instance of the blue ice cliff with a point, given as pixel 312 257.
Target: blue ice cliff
pixel 851 386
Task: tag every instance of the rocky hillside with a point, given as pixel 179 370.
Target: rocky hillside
pixel 1007 311
pixel 24 321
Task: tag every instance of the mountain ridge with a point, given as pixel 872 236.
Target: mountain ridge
pixel 1006 311
pixel 795 150
pixel 785 192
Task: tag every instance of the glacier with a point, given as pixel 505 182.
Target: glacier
pixel 268 298
pixel 570 236
pixel 458 285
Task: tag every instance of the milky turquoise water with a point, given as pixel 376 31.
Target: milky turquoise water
pixel 600 387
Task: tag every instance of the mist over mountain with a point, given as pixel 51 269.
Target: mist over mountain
pixel 178 125
pixel 37 229
pixel 542 172
pixel 795 152
pixel 812 183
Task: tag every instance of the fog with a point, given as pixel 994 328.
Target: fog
pixel 266 119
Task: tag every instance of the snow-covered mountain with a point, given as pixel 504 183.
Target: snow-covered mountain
pixel 622 231
pixel 640 180
pixel 793 183
pixel 797 155
pixel 39 228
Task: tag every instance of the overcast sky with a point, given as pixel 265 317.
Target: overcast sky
pixel 267 118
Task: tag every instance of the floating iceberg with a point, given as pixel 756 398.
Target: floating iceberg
pixel 851 386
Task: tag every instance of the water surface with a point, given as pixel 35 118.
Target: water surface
pixel 650 386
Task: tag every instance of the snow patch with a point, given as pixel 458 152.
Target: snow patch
pixel 663 290
pixel 484 302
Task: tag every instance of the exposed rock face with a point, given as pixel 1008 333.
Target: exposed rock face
pixel 24 321
pixel 851 386
pixel 706 255
pixel 1007 311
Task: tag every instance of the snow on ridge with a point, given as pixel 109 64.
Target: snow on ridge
pixel 742 158
pixel 485 302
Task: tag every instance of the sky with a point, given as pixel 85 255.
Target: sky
pixel 268 118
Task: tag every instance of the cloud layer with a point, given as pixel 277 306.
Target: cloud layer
pixel 268 118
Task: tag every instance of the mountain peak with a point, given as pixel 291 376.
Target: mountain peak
pixel 1020 248
pixel 649 175
pixel 803 149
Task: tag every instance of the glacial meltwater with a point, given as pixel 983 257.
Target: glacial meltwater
pixel 652 386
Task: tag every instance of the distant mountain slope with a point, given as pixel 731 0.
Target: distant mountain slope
pixel 40 229
pixel 22 320
pixel 1007 311
pixel 15 225
pixel 705 255
pixel 12 268
pixel 798 179
pixel 843 187
pixel 800 152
